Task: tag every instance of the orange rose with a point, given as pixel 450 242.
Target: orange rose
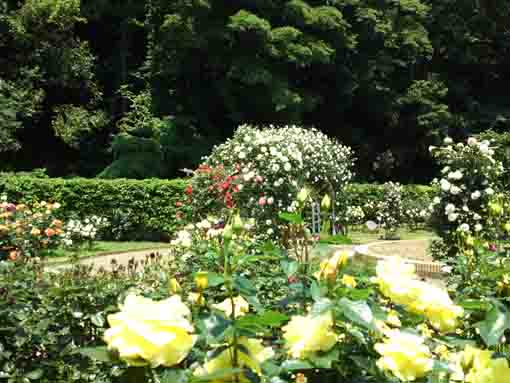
pixel 13 255
pixel 56 223
pixel 49 232
pixel 59 231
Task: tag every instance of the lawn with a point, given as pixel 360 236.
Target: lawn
pixel 359 237
pixel 101 248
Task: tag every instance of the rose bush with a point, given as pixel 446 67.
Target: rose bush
pixel 260 170
pixel 468 200
pixel 28 230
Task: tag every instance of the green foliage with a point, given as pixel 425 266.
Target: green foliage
pixel 136 209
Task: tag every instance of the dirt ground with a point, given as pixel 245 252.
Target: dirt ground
pixel 411 249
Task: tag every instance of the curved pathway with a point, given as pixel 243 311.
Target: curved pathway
pixel 413 250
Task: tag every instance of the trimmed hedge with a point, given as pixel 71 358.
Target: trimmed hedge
pixel 138 210
pixel 359 194
pixel 143 210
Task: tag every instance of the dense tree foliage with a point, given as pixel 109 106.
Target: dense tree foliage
pixel 143 88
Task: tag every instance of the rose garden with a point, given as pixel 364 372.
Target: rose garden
pixel 262 278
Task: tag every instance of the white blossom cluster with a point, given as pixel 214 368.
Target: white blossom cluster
pixel 466 187
pixel 390 211
pixel 77 231
pixel 275 162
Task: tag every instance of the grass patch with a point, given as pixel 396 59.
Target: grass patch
pixel 100 248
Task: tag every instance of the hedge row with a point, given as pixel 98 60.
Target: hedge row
pixel 142 209
pixel 137 209
pixel 359 194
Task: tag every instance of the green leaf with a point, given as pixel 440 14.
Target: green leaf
pixel 289 268
pixel 325 360
pixel 495 324
pixel 474 304
pixel 217 375
pixel 358 312
pixel 101 354
pixel 294 218
pixel 215 279
pixel 244 286
pixel 321 306
pixel 173 376
pixel 262 321
pixel 317 291
pixel 97 319
pixel 294 364
pixel 35 374
pixel 215 325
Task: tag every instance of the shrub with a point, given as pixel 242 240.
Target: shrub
pixel 28 230
pixel 360 203
pixel 136 209
pixel 390 212
pixel 467 201
pixel 261 170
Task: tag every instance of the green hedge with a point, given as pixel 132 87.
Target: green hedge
pixel 143 209
pixel 359 194
pixel 137 209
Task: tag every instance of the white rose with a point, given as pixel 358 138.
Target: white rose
pixel 472 141
pixel 464 227
pixel 287 167
pixel 448 141
pixel 489 191
pixel 455 190
pixel 475 195
pixel 452 217
pixel 436 200
pixel 450 208
pixel 478 227
pixel 445 185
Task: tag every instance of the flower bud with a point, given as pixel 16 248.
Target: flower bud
pixel 495 208
pixel 201 280
pixel 228 232
pixel 326 202
pixel 302 195
pixel 237 223
pixel 470 241
pixel 506 227
pixel 174 286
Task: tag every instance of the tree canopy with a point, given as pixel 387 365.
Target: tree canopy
pixel 142 88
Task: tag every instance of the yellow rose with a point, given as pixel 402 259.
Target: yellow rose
pixel 201 280
pixel 305 335
pixel 174 286
pixel 483 368
pixel 417 296
pixel 196 298
pixel 405 356
pixel 35 232
pixel 252 360
pixel 241 307
pixel 349 281
pixel 329 267
pixel 146 331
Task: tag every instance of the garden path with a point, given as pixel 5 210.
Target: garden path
pixel 410 249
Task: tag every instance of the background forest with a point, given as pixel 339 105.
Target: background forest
pixel 142 88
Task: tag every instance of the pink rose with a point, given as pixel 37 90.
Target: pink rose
pixel 270 200
pixel 262 201
pixel 259 179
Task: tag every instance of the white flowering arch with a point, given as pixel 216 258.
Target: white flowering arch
pixel 272 163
